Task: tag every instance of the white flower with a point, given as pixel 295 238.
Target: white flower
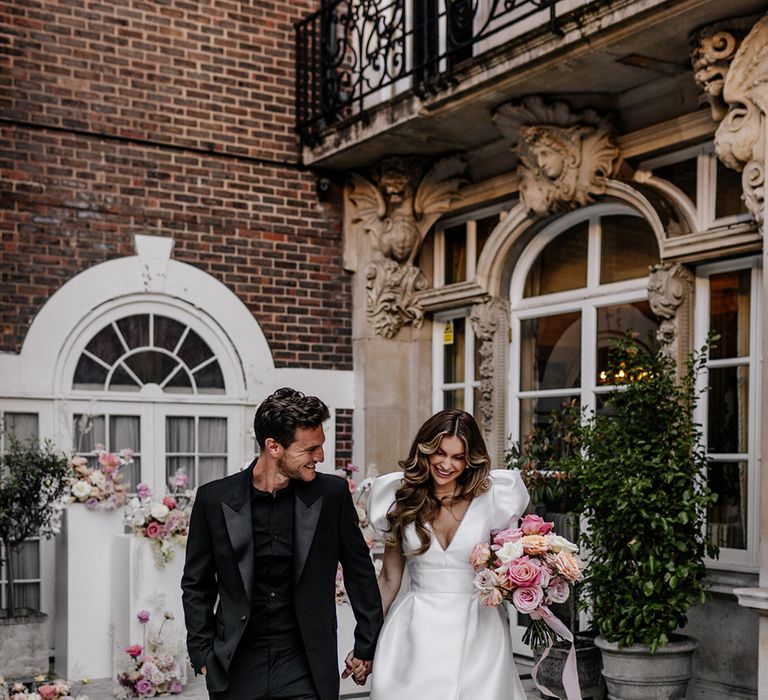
pixel 560 544
pixel 510 551
pixel 159 512
pixel 81 490
pixel 97 477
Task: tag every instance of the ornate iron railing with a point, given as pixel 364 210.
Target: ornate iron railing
pixel 352 54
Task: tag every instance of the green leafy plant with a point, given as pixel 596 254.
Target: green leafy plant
pixel 642 478
pixel 33 490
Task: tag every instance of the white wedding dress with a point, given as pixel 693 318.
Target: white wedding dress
pixel 438 642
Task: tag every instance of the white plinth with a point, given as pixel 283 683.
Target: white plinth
pixel 346 642
pixel 139 584
pixel 83 628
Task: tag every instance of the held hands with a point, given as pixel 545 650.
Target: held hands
pixel 357 668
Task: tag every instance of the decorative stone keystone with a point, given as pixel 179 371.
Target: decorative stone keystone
pixel 485 317
pixel 669 285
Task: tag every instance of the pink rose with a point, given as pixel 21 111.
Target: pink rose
pixel 176 687
pixel 535 525
pixel 143 490
pixel 109 461
pixel 142 616
pixel 169 502
pixel 134 650
pixel 501 538
pixel 47 692
pixel 485 579
pixel 143 687
pixel 524 572
pixel 526 600
pixel 478 557
pixel 153 529
pixel 558 591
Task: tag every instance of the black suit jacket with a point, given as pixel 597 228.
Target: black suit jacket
pixel 219 567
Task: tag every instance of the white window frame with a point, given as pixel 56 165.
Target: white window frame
pixel 746 560
pixel 471 381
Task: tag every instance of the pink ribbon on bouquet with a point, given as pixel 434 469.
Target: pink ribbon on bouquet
pixel 570 672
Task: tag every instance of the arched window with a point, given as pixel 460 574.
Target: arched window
pixel 579 285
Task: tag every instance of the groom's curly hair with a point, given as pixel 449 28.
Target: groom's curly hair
pixel 281 413
pixel 415 500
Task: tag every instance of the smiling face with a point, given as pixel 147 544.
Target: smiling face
pixel 447 463
pixel 298 460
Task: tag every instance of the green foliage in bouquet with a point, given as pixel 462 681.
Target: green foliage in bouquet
pixel 642 477
pixel 33 490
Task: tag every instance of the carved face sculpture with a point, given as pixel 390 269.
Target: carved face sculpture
pixel 399 237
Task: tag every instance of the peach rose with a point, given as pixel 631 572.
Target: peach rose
pixel 567 565
pixel 478 557
pixel 535 545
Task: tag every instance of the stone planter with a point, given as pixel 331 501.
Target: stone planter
pixel 24 645
pixel 588 665
pixel 633 673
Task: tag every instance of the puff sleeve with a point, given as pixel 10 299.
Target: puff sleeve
pixel 509 496
pixel 380 500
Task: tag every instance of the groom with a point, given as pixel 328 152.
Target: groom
pixel 260 572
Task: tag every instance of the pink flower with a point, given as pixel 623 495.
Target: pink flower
pixel 134 650
pixel 170 502
pixel 109 461
pixel 176 687
pixel 478 557
pixel 153 529
pixel 143 616
pixel 352 485
pixel 47 692
pixel 558 591
pixel 143 491
pixel 143 687
pixel 526 600
pixel 566 564
pixel 490 597
pixel 535 525
pixel 501 538
pixel 127 454
pixel 524 572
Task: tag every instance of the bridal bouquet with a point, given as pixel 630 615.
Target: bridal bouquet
pixel 530 567
pixel 101 487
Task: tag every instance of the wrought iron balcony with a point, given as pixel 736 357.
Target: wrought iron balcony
pixel 354 54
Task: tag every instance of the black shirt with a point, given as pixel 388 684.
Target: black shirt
pixel 272 610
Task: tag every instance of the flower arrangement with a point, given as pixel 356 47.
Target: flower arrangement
pixel 42 690
pixel 99 488
pixel 165 523
pixel 360 499
pixel 530 567
pixel 151 668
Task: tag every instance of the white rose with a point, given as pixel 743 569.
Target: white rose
pixel 510 551
pixel 159 512
pixel 81 490
pixel 560 544
pixel 97 478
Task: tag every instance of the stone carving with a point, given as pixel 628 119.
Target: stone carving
pixel 398 208
pixel 564 157
pixel 739 140
pixel 668 286
pixel 485 318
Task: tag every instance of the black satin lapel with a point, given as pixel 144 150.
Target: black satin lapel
pixel 306 518
pixel 240 530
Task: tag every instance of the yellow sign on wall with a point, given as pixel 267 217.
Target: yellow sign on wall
pixel 448 332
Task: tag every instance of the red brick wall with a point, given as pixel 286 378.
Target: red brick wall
pixel 173 119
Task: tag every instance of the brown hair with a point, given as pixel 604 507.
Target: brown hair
pixel 415 500
pixel 281 413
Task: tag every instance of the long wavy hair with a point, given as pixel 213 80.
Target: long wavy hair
pixel 415 500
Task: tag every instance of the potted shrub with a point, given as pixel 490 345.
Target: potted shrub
pixel 546 458
pixel 642 478
pixel 33 487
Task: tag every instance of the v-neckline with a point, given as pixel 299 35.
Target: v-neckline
pixel 458 529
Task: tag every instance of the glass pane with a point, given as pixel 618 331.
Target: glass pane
pixel 537 412
pixel 551 352
pixel 729 313
pixel 187 464
pixel 125 431
pixel 210 379
pixel 167 332
pixel 211 468
pixel 180 434
pixel 89 374
pixel 180 382
pixel 455 254
pixel 122 381
pixel 23 426
pixel 483 233
pixel 612 324
pixel 26 560
pixel 728 197
pixel 728 410
pixel 88 432
pixel 682 175
pixel 453 370
pixel 135 330
pixel 562 265
pixel 453 399
pixel 193 350
pixel 151 367
pixel 628 248
pixel 727 518
pixel 213 435
pixel 106 345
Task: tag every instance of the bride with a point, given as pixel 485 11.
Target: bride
pixel 438 642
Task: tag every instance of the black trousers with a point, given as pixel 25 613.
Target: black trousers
pixel 269 669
